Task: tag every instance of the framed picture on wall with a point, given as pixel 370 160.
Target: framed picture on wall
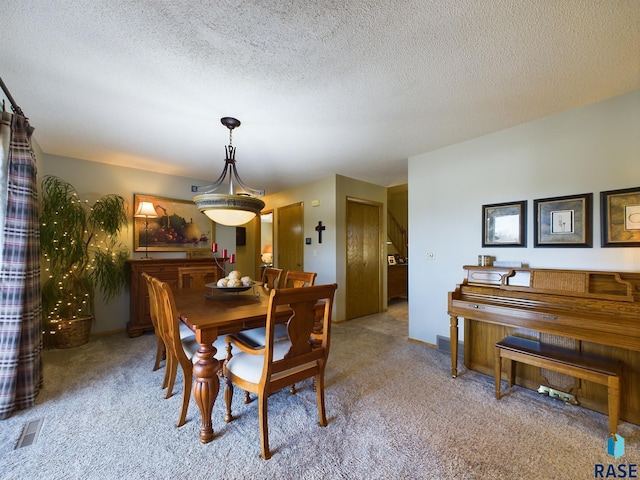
pixel 178 227
pixel 620 217
pixel 564 221
pixel 504 224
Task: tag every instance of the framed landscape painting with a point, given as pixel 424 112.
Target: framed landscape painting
pixel 178 227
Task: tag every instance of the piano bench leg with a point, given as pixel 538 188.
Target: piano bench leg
pixel 497 371
pixel 512 373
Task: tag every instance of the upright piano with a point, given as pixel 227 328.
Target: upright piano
pixel 594 312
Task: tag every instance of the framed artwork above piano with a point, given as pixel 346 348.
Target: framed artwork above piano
pixel 620 212
pixel 563 221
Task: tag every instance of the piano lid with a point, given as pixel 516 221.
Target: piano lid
pixel 577 283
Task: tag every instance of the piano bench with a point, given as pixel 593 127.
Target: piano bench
pixel 604 371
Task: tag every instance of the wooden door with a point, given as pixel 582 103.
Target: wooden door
pixel 290 238
pixel 363 275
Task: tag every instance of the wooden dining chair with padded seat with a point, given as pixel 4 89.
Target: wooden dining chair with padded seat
pixel 271 277
pixel 153 313
pixel 256 336
pixel 281 363
pixel 296 279
pixel 197 276
pixel 182 348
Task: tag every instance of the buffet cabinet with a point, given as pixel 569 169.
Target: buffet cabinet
pixel 163 269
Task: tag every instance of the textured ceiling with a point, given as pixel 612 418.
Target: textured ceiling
pixel 321 87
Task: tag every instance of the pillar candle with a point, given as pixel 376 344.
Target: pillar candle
pixel 224 253
pixel 214 247
pixel 233 258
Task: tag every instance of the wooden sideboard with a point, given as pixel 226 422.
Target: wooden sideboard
pixel 397 281
pixel 163 269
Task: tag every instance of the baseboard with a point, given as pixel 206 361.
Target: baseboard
pixel 444 345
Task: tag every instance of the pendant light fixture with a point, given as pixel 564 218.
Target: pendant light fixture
pixel 229 208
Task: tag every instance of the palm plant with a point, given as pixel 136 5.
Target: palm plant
pixel 81 250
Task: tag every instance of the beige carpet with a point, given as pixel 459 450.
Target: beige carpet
pixel 394 412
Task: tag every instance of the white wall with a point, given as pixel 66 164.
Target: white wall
pixel 318 257
pixel 328 258
pixel 589 149
pixel 92 179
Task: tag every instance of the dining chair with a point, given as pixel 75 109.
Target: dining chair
pixel 280 363
pixel 271 277
pixel 256 336
pixel 197 276
pixel 181 348
pixel 295 278
pixel 153 313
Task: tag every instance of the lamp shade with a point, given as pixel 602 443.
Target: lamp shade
pixel 231 210
pixel 146 209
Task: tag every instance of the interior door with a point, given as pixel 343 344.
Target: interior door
pixel 290 238
pixel 363 275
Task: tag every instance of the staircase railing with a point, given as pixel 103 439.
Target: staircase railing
pixel 397 234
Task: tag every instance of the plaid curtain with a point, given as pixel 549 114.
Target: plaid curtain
pixel 20 304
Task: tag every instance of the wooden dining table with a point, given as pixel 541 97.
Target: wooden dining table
pixel 211 313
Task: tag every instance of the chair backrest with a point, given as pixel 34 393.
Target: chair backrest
pixel 197 276
pixel 297 279
pixel 168 318
pixel 271 277
pixel 304 358
pixel 153 303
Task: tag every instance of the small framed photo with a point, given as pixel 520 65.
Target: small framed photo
pixel 620 215
pixel 391 259
pixel 504 224
pixel 564 221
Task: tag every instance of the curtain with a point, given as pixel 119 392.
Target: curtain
pixel 20 304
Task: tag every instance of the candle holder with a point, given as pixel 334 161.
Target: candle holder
pixel 223 257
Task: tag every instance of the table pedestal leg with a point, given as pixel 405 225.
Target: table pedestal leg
pixel 205 387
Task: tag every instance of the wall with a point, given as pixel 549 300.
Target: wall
pixel 92 179
pixel 589 149
pixel 328 258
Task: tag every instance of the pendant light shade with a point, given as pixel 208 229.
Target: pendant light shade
pixel 233 208
pixel 229 210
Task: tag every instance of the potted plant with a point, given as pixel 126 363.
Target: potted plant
pixel 81 252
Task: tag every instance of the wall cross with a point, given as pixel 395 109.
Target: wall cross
pixel 319 229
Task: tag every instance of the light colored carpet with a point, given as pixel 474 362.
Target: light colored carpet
pixel 394 412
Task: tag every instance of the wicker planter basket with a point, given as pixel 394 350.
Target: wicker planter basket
pixel 73 333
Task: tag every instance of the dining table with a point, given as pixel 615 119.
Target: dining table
pixel 210 313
